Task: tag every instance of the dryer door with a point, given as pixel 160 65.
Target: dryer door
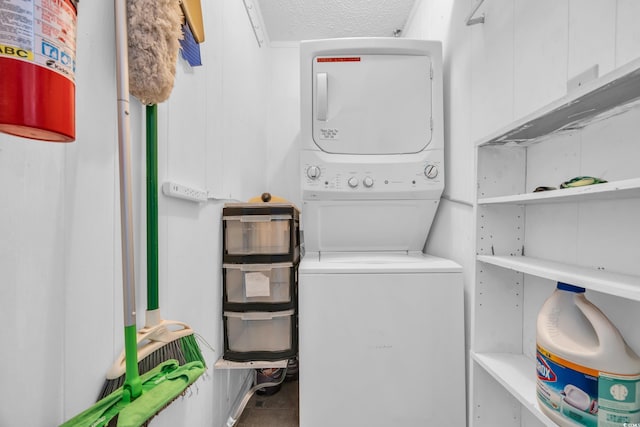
pixel 372 104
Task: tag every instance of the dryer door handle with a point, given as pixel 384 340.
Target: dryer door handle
pixel 322 96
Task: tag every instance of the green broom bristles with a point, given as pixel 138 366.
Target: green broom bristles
pixel 184 350
pixel 191 349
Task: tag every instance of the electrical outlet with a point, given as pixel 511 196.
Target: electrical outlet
pixel 179 191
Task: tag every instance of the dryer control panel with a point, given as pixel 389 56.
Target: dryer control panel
pixel 372 178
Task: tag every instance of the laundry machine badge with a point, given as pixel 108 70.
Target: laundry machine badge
pixel 329 133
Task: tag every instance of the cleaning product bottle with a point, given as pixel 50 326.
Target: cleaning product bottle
pixel 587 374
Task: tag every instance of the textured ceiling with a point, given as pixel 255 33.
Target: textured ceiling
pixel 295 20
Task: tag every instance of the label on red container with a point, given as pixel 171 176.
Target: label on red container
pixel 42 32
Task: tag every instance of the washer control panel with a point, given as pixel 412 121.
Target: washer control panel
pixel 412 179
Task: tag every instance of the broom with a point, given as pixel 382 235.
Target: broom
pixel 153 52
pixel 160 340
pixel 140 398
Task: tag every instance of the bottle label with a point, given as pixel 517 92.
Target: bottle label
pixel 586 396
pixel 619 400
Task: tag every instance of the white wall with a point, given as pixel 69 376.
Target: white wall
pixel 32 267
pixel 283 123
pixel 60 293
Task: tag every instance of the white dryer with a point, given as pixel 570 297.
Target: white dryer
pixel 381 330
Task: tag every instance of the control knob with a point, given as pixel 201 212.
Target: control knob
pixel 368 182
pixel 353 182
pixel 313 172
pixel 431 171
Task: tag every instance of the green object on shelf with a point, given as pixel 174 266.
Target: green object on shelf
pixel 581 181
pixel 544 188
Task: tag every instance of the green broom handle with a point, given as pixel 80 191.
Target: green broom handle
pixel 133 384
pixel 152 207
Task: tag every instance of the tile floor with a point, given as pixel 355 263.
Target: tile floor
pixel 278 410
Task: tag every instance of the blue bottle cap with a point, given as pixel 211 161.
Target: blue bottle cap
pixel 571 288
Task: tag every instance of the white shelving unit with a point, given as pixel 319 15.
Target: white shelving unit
pixel 622 285
pixel 527 241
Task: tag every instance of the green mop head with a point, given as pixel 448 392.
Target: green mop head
pixel 156 345
pixel 160 386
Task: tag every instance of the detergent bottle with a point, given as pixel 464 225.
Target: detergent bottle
pixel 587 374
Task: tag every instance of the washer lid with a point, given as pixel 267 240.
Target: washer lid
pixel 374 263
pixel 372 103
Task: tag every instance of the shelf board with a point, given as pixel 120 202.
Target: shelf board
pixel 608 95
pixel 627 188
pixel 621 285
pixel 517 374
pixel 228 364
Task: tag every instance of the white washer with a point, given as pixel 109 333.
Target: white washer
pixel 381 325
pixel 381 341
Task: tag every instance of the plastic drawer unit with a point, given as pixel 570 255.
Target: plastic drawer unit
pixel 261 233
pixel 266 336
pixel 260 287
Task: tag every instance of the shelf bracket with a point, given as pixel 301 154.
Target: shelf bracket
pixel 478 19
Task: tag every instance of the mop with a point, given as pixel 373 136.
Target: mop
pixel 159 340
pixel 153 49
pixel 140 398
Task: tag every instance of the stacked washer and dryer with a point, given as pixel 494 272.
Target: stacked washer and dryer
pixel 381 329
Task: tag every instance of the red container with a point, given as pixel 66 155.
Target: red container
pixel 37 97
pixel 39 105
